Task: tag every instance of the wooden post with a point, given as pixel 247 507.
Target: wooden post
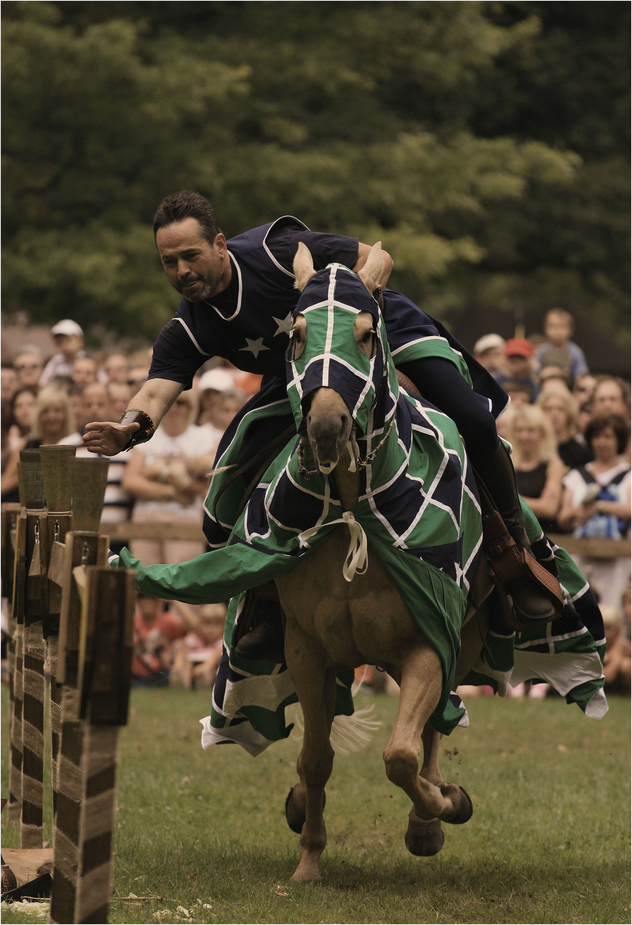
pixel 82 549
pixel 33 683
pixel 88 481
pixel 98 654
pixel 10 516
pixel 14 809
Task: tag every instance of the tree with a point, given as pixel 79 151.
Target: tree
pixel 421 124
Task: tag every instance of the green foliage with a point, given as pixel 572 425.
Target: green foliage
pixel 484 143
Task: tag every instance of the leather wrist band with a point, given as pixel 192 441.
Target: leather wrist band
pixel 146 430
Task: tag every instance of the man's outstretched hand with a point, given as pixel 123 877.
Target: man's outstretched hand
pixel 107 438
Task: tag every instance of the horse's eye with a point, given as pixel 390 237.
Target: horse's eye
pixel 365 335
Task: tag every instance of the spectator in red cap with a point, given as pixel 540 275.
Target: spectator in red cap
pixel 519 366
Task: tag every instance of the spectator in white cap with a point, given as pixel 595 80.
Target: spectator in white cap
pixel 489 350
pixel 212 385
pixel 69 342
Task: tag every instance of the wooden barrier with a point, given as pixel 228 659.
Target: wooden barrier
pixel 71 620
pixel 129 530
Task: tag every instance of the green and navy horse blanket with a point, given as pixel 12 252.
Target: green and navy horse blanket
pixel 418 510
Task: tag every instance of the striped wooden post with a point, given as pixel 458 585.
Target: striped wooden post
pixel 14 808
pixel 58 481
pixel 10 516
pixel 34 688
pixel 81 549
pixel 33 683
pixel 98 673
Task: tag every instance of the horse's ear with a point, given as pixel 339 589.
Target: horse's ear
pixel 371 272
pixel 303 266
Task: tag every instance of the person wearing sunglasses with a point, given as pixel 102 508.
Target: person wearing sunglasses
pixel 29 365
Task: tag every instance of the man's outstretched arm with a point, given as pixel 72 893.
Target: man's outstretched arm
pixel 153 400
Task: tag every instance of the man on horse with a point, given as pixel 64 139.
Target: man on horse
pixel 238 297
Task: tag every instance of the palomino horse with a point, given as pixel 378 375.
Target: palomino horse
pixel 343 606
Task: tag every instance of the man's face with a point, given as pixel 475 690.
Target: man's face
pixel 84 371
pixel 68 344
pixel 194 267
pixel 96 402
pixel 29 368
pixel 558 330
pixel 116 368
pixel 518 365
pixel 120 394
pixel 607 399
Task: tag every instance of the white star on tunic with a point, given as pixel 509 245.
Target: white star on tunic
pixel 254 346
pixel 284 324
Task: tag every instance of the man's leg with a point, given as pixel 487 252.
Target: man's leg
pixel 440 383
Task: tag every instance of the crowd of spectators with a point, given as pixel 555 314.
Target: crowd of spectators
pixel 569 428
pixel 570 434
pixel 49 400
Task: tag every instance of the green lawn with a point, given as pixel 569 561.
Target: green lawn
pixel 205 831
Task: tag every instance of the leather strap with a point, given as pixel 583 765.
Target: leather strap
pixel 509 561
pixel 144 433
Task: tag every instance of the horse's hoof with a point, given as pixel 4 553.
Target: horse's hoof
pixel 424 839
pixel 465 810
pixel 294 816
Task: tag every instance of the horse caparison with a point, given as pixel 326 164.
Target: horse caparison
pixel 334 623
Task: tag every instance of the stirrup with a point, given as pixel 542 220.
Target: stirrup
pixel 508 563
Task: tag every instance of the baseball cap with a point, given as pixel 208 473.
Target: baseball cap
pixel 519 347
pixel 488 342
pixel 217 379
pixel 67 327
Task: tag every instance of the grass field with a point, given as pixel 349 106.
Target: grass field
pixel 201 836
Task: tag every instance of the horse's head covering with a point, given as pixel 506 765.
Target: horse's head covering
pixel 331 303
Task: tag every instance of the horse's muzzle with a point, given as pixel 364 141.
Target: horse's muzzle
pixel 328 427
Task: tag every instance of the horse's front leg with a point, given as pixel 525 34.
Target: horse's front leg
pixel 315 685
pixel 420 689
pixel 425 838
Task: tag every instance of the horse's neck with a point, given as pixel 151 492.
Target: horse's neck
pixel 347 483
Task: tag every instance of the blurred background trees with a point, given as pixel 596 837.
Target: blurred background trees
pixel 485 144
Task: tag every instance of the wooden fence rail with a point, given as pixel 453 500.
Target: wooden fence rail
pixel 182 530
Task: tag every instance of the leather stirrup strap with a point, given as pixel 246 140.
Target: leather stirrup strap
pixel 509 561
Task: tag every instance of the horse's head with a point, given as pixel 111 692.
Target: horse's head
pixel 337 353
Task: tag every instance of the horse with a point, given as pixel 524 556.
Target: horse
pixel 342 607
pixel 368 521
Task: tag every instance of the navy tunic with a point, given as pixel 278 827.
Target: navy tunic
pixel 249 322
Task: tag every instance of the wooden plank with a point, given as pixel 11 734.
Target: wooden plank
pixel 106 645
pixel 80 547
pixel 596 548
pixel 128 530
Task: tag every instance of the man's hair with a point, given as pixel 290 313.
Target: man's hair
pixel 601 423
pixel 562 314
pixel 186 204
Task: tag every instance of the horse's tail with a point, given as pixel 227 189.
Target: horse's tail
pixel 349 734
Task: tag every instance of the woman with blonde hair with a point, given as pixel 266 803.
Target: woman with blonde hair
pixel 53 419
pixel 562 410
pixel 53 423
pixel 539 469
